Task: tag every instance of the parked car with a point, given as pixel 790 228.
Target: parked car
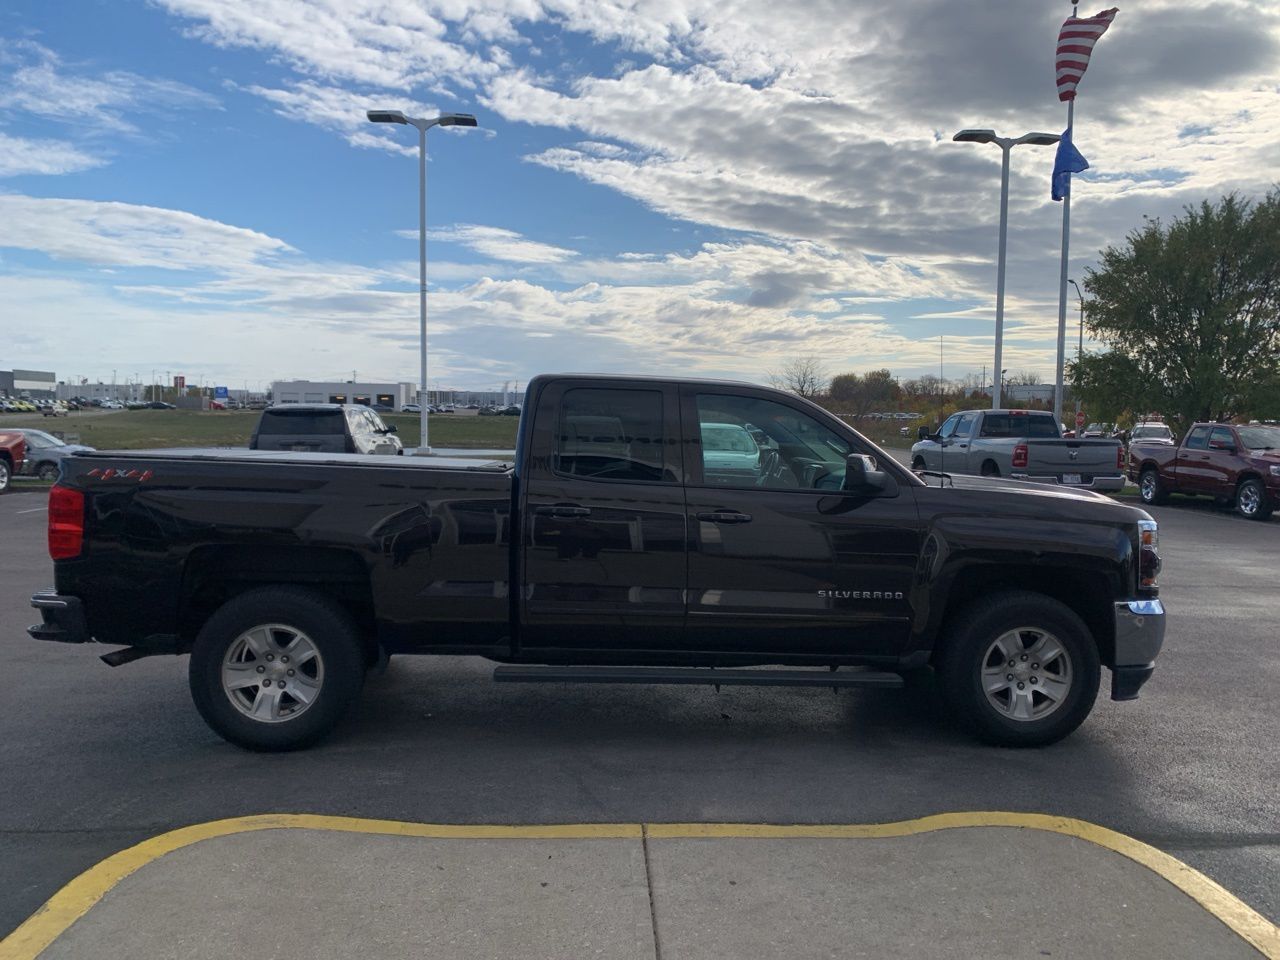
pixel 53 408
pixel 45 452
pixel 1239 465
pixel 1153 433
pixel 160 405
pixel 13 456
pixel 324 428
pixel 616 552
pixel 412 408
pixel 1022 444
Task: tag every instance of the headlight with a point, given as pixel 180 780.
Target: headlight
pixel 1275 469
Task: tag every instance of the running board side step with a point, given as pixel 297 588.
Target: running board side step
pixel 716 676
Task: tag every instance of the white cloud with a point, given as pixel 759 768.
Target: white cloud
pixel 505 245
pixel 19 155
pixel 343 111
pixel 34 80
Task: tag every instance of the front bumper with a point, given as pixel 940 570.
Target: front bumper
pixel 62 618
pixel 1139 637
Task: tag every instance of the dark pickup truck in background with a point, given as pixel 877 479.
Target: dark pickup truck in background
pixel 1233 464
pixel 654 531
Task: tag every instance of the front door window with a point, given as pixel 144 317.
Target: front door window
pixel 747 441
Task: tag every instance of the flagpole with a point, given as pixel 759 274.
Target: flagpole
pixel 1062 279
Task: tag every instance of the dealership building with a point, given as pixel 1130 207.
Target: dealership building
pixel 32 384
pixel 394 395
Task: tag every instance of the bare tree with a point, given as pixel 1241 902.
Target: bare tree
pixel 1024 378
pixel 806 376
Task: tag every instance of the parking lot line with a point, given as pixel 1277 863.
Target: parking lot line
pixel 76 898
pixel 34 510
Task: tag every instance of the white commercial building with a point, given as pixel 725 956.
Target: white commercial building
pixel 394 395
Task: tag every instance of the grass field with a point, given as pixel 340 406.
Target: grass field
pixel 140 429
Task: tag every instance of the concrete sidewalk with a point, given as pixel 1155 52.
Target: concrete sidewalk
pixel 295 892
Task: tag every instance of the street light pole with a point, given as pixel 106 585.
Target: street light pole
pixel 1006 144
pixel 422 125
pixel 1080 348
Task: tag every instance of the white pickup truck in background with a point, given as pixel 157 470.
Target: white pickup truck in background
pixel 1021 444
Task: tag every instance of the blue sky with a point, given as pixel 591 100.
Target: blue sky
pixel 658 185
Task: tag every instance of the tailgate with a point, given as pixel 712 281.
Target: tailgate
pixel 1072 456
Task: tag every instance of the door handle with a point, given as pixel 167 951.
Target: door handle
pixel 562 510
pixel 724 516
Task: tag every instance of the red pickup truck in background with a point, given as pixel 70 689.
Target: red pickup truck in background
pixel 13 453
pixel 1233 464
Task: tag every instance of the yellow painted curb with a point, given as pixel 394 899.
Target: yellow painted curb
pixel 76 898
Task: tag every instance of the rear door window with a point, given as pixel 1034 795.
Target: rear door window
pixel 321 423
pixel 1198 439
pixel 611 435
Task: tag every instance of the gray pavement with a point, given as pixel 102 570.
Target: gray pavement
pixel 990 892
pixel 96 759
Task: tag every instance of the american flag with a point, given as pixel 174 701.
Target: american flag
pixel 1075 44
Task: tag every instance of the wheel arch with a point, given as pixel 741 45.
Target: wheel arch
pixel 1087 594
pixel 213 575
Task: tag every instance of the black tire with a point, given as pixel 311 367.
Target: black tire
pixel 5 474
pixel 989 469
pixel 46 471
pixel 918 464
pixel 1150 488
pixel 964 654
pixel 329 630
pixel 1252 501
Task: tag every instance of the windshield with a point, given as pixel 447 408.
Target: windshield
pixel 1260 437
pixel 325 423
pixel 1152 433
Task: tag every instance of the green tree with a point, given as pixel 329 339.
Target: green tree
pixel 859 395
pixel 1191 314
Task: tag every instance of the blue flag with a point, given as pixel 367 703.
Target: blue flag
pixel 1068 161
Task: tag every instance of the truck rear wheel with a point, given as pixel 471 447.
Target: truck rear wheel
pixel 1020 669
pixel 1150 488
pixel 4 474
pixel 275 668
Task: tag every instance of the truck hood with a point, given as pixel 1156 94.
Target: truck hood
pixel 994 497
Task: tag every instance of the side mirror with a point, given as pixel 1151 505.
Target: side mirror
pixel 861 475
pixel 922 433
pixel 391 428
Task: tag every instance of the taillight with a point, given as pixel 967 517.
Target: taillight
pixel 66 522
pixel 1148 554
pixel 1120 457
pixel 1020 455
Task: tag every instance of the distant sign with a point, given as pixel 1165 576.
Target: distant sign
pixel 1079 419
pixel 179 383
pixel 219 393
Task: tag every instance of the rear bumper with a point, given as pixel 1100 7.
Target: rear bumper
pixel 1106 484
pixel 1139 637
pixel 62 618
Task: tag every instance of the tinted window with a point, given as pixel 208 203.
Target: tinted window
pixel 611 435
pixel 1198 439
pixel 747 441
pixel 949 427
pixel 320 423
pixel 964 425
pixel 1222 435
pixel 1038 426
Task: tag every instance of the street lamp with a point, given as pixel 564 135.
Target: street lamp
pixel 1079 349
pixel 1005 144
pixel 423 125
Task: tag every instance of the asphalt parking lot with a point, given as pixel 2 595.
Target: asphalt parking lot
pixel 96 759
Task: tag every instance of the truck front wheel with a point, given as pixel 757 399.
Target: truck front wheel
pixel 275 668
pixel 1252 502
pixel 1019 669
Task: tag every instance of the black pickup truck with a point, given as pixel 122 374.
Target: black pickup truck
pixel 659 531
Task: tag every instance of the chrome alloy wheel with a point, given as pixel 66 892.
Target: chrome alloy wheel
pixel 272 672
pixel 1249 499
pixel 1148 486
pixel 1026 674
